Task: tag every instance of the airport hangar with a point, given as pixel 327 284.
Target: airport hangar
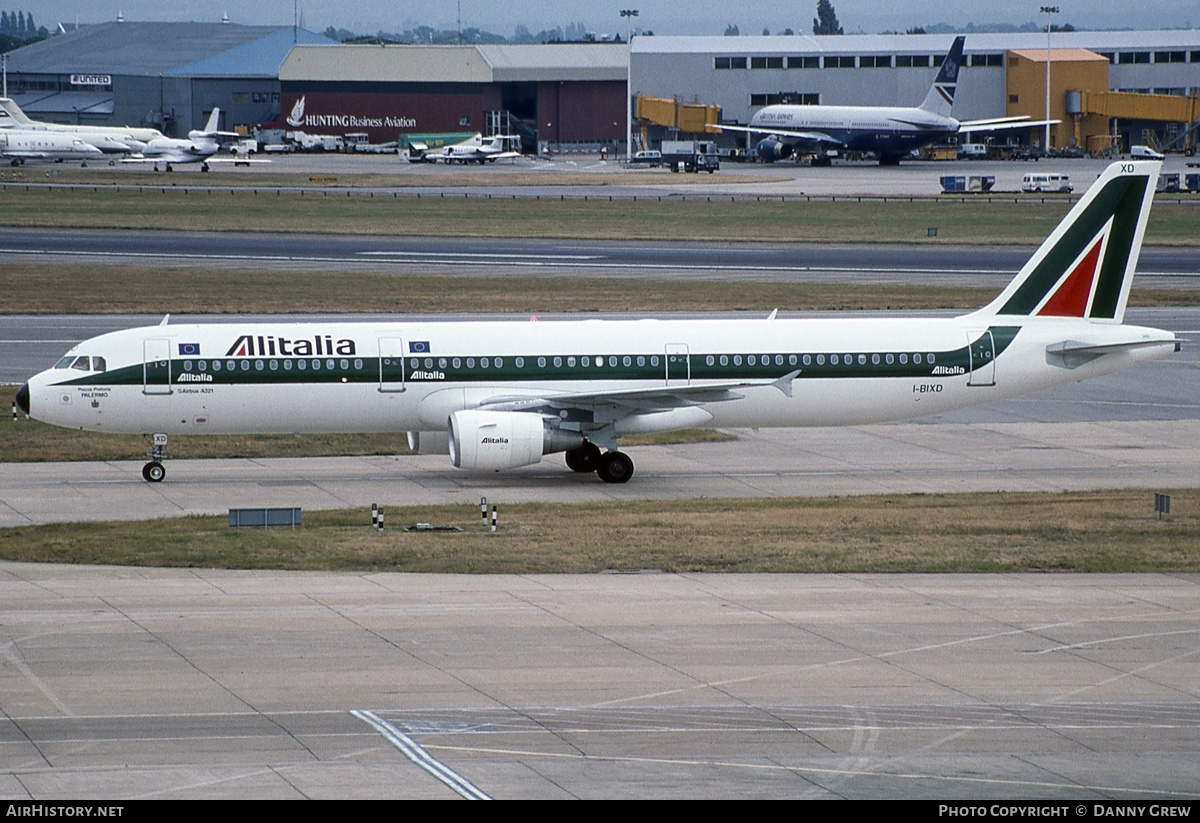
pixel 1004 75
pixel 165 75
pixel 555 95
pixel 573 95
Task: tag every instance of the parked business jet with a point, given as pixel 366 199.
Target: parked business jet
pixel 887 131
pixel 109 139
pixel 200 147
pixel 18 146
pixel 499 395
pixel 478 149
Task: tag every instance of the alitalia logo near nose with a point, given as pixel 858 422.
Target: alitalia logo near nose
pixel 268 345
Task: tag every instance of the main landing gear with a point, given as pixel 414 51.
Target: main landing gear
pixel 155 471
pixel 611 467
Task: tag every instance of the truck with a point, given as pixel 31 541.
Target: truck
pixel 316 142
pixel 691 155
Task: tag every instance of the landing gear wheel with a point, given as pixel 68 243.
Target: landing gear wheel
pixel 154 472
pixel 615 467
pixel 584 459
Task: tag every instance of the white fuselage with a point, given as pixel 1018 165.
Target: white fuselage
pixel 860 128
pixel 377 377
pixel 175 150
pixel 19 144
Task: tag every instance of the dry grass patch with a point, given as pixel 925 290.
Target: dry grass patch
pixel 1094 531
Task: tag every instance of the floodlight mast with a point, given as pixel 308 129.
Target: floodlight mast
pixel 1048 11
pixel 629 14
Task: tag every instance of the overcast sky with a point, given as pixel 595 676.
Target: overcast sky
pixel 659 16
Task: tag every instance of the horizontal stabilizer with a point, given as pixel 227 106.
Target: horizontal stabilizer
pixel 1071 354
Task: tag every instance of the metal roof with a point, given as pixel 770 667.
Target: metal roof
pixel 917 43
pixel 456 64
pixel 152 49
pixel 39 104
pixel 1060 55
pixel 258 58
pixel 558 61
pixel 386 64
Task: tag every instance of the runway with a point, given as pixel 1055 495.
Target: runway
pixel 946 265
pixel 144 683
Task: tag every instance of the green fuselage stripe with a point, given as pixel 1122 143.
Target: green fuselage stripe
pixel 655 366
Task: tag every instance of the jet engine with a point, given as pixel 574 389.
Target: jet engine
pixel 482 440
pixel 771 149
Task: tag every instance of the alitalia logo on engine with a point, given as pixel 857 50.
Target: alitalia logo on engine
pixel 494 441
pixel 269 345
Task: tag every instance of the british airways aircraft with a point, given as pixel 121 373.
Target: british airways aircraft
pixel 500 395
pixel 887 131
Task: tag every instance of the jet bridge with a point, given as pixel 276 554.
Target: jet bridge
pixel 1168 108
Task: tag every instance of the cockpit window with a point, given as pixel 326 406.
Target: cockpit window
pixel 64 363
pixel 98 364
pixel 82 363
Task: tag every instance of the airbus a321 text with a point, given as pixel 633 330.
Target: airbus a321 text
pixel 499 395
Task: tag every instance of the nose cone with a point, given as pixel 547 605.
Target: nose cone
pixel 23 398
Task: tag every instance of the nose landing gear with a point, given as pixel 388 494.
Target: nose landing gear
pixel 155 471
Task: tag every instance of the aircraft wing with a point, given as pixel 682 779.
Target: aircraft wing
pixel 811 136
pixel 634 401
pixel 1004 124
pixel 504 155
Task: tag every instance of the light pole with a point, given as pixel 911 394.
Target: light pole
pixel 629 14
pixel 1048 10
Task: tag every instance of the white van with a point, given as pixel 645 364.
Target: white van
pixel 1047 183
pixel 1144 153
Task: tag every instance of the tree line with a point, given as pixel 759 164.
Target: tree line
pixel 18 29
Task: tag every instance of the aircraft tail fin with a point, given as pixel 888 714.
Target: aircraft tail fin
pixel 214 122
pixel 1085 267
pixel 9 110
pixel 940 98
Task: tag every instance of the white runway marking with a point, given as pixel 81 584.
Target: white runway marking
pixel 418 755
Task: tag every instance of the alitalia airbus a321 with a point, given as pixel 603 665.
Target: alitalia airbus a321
pixel 500 395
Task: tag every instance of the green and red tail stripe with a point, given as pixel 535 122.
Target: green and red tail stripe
pixel 1085 268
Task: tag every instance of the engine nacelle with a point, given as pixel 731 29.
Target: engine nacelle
pixel 487 440
pixel 429 442
pixel 482 440
pixel 771 149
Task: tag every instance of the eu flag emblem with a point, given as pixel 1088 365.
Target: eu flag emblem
pixel 418 347
pixel 189 349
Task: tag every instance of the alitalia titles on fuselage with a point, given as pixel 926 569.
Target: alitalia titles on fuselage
pixel 259 345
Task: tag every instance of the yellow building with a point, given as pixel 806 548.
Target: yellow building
pixel 1076 70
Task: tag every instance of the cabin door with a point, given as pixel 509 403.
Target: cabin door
pixel 391 364
pixel 981 351
pixel 678 364
pixel 156 365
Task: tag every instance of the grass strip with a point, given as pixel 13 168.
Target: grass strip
pixel 714 218
pixel 107 289
pixel 1106 531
